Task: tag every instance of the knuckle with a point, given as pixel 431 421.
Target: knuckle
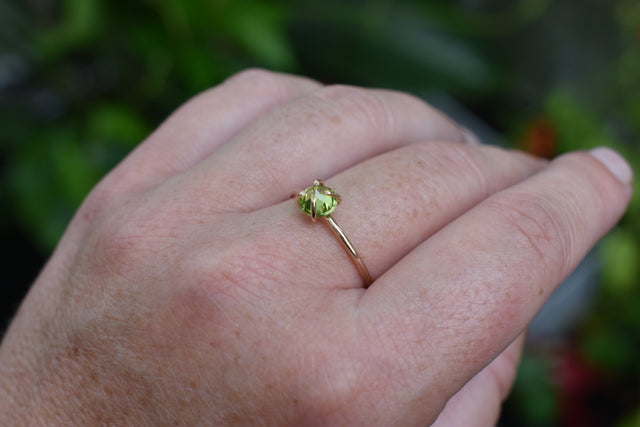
pixel 362 105
pixel 268 84
pixel 101 198
pixel 456 158
pixel 118 245
pixel 252 76
pixel 538 228
pixel 132 240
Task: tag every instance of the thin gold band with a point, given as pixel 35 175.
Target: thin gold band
pixel 319 201
pixel 351 250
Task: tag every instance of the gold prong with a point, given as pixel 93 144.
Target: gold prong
pixel 314 212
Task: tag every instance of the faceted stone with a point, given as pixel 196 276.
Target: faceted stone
pixel 326 200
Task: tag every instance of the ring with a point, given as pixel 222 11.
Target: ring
pixel 319 201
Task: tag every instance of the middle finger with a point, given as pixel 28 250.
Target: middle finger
pixel 317 135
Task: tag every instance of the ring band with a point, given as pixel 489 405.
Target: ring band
pixel 319 201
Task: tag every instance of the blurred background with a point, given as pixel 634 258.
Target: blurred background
pixel 83 81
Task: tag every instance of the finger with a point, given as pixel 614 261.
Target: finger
pixel 390 204
pixel 478 403
pixel 206 122
pixel 470 289
pixel 314 136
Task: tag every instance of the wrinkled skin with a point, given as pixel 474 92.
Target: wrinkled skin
pixel 189 289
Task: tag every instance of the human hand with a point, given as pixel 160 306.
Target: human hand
pixel 190 290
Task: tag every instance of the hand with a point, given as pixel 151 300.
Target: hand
pixel 190 289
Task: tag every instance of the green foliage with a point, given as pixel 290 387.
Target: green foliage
pixel 533 393
pixel 412 45
pixel 103 75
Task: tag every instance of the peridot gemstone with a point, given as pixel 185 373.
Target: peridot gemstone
pixel 326 200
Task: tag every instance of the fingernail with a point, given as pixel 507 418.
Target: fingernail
pixel 470 137
pixel 616 164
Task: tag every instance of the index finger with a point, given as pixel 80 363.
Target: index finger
pixel 457 300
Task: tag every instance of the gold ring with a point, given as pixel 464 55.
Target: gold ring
pixel 319 201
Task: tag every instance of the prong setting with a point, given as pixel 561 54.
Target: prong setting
pixel 320 201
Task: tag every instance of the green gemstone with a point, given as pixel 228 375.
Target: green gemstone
pixel 326 200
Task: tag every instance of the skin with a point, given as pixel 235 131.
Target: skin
pixel 190 290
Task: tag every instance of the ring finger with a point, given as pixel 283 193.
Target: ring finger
pixel 391 204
